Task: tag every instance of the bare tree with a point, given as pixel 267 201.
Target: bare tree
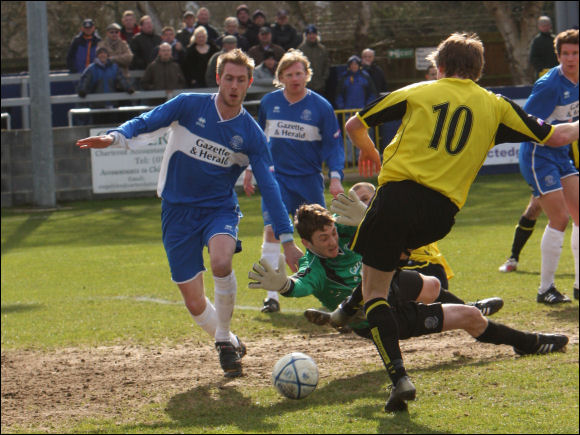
pixel 361 33
pixel 516 22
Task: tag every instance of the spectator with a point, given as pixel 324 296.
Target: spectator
pixel 231 28
pixel 203 21
pixel 318 57
pixel 257 51
pixel 229 42
pixel 265 72
pixel 244 22
pixel 119 51
pixel 253 32
pixel 283 34
pixel 163 73
pixel 431 73
pixel 130 27
pixel 185 34
pixel 101 77
pixel 82 51
pixel 197 58
pixel 376 73
pixel 143 44
pixel 542 55
pixel 355 90
pixel 177 49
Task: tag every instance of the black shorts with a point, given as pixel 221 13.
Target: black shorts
pixel 403 215
pixel 405 286
pixel 413 319
pixel 430 269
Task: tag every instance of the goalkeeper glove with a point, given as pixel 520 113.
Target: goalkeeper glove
pixel 266 277
pixel 350 209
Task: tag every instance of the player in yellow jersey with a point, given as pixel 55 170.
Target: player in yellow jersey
pixel 447 128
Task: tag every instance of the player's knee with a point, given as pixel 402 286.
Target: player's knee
pixel 475 323
pixel 430 291
pixel 221 266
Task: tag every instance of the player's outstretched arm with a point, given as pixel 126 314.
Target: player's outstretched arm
pixel 95 141
pixel 350 209
pixel 369 158
pixel 563 134
pixel 268 278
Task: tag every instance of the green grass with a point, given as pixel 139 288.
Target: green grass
pixel 95 274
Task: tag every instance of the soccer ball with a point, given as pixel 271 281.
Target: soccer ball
pixel 295 375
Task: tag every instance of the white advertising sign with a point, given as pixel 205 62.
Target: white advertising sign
pixel 421 53
pixel 116 169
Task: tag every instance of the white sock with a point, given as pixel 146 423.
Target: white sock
pixel 208 319
pixel 271 253
pixel 574 245
pixel 551 246
pixel 225 299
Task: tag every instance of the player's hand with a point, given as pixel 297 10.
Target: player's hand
pixel 95 141
pixel 266 277
pixel 293 255
pixel 350 209
pixel 249 187
pixel 369 163
pixel 335 187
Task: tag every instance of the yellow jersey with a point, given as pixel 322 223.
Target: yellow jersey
pixel 447 128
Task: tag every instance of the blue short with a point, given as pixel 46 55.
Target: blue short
pixel 186 230
pixel 297 190
pixel 544 168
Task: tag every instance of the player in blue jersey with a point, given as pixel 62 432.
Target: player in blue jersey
pixel 549 171
pixel 302 132
pixel 212 138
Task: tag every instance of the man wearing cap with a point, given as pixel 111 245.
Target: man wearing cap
pixel 119 51
pixel 231 27
pixel 355 89
pixel 229 42
pixel 253 32
pixel 82 50
pixel 318 57
pixel 265 72
pixel 203 21
pixel 185 34
pixel 283 34
pixel 257 51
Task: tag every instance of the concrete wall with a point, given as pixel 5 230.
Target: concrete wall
pixel 72 168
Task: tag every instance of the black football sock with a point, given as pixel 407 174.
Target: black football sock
pixel 446 297
pixel 497 333
pixel 385 335
pixel 353 303
pixel 524 230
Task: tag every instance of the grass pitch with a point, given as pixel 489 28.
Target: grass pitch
pixel 95 337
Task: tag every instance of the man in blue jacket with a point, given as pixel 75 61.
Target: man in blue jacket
pixel 82 50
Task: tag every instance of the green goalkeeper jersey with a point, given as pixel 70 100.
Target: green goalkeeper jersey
pixel 330 280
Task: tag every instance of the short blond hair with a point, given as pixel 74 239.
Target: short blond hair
pixel 237 57
pixel 291 57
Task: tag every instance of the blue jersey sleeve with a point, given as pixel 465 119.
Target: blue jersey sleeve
pixel 332 145
pixel 261 161
pixel 543 99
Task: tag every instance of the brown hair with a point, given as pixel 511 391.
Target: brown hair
pixel 461 55
pixel 237 57
pixel 291 57
pixel 310 218
pixel 566 37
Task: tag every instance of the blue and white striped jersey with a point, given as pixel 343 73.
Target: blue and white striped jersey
pixel 554 99
pixel 206 154
pixel 301 135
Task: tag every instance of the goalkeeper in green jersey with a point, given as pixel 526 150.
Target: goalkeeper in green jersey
pixel 330 271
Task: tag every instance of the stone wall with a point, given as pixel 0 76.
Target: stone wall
pixel 72 168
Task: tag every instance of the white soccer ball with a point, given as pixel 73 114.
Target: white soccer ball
pixel 295 375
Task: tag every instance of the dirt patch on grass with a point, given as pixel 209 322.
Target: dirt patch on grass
pixel 42 390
